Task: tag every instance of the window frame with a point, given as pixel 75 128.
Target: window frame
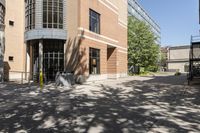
pixel 30 14
pixel 98 19
pixel 98 61
pixel 2 14
pixel 53 14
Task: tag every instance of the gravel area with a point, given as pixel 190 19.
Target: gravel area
pixel 153 104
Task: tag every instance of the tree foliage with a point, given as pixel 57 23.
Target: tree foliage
pixel 163 60
pixel 142 49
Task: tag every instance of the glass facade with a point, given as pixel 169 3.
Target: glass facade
pixel 134 9
pixel 53 14
pixel 53 58
pixel 42 18
pixel 30 14
pixel 2 14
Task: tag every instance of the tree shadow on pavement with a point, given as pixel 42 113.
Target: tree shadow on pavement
pixel 174 104
pixel 137 107
pixel 171 80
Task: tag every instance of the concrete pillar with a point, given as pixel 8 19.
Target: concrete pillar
pixel 41 55
pixel 31 61
pixel 26 57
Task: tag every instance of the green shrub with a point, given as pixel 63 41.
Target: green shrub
pixel 142 70
pixel 152 68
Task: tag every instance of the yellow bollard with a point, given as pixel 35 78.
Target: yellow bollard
pixel 41 80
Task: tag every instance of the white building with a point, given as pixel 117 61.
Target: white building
pixel 178 58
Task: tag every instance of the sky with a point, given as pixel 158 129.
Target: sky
pixel 178 19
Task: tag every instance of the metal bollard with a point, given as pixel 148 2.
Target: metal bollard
pixel 41 80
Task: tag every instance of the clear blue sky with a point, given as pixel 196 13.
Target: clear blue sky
pixel 178 19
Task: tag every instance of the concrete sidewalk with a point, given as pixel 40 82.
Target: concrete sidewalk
pixel 157 104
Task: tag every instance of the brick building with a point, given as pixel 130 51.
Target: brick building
pixel 86 37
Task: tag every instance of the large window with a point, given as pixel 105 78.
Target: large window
pixel 94 21
pixel 94 61
pixel 2 14
pixel 30 14
pixel 53 14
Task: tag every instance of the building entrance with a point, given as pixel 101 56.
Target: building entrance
pixel 53 59
pixel 53 63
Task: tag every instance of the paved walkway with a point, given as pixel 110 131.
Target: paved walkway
pixel 159 104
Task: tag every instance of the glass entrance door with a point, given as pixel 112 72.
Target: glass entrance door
pixel 53 59
pixel 53 63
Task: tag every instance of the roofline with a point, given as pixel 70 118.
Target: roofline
pixel 180 47
pixel 147 14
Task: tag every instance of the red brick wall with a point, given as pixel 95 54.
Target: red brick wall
pixel 112 34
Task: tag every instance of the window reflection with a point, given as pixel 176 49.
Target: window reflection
pixel 94 64
pixel 53 14
pixel 94 21
pixel 30 14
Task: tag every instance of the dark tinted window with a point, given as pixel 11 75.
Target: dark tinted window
pixel 30 14
pixel 94 61
pixel 94 21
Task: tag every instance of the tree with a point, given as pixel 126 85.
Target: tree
pixel 163 60
pixel 142 49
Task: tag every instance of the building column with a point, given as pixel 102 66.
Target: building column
pixel 31 62
pixel 26 58
pixel 41 55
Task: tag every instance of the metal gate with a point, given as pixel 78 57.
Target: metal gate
pixel 53 63
pixel 53 59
